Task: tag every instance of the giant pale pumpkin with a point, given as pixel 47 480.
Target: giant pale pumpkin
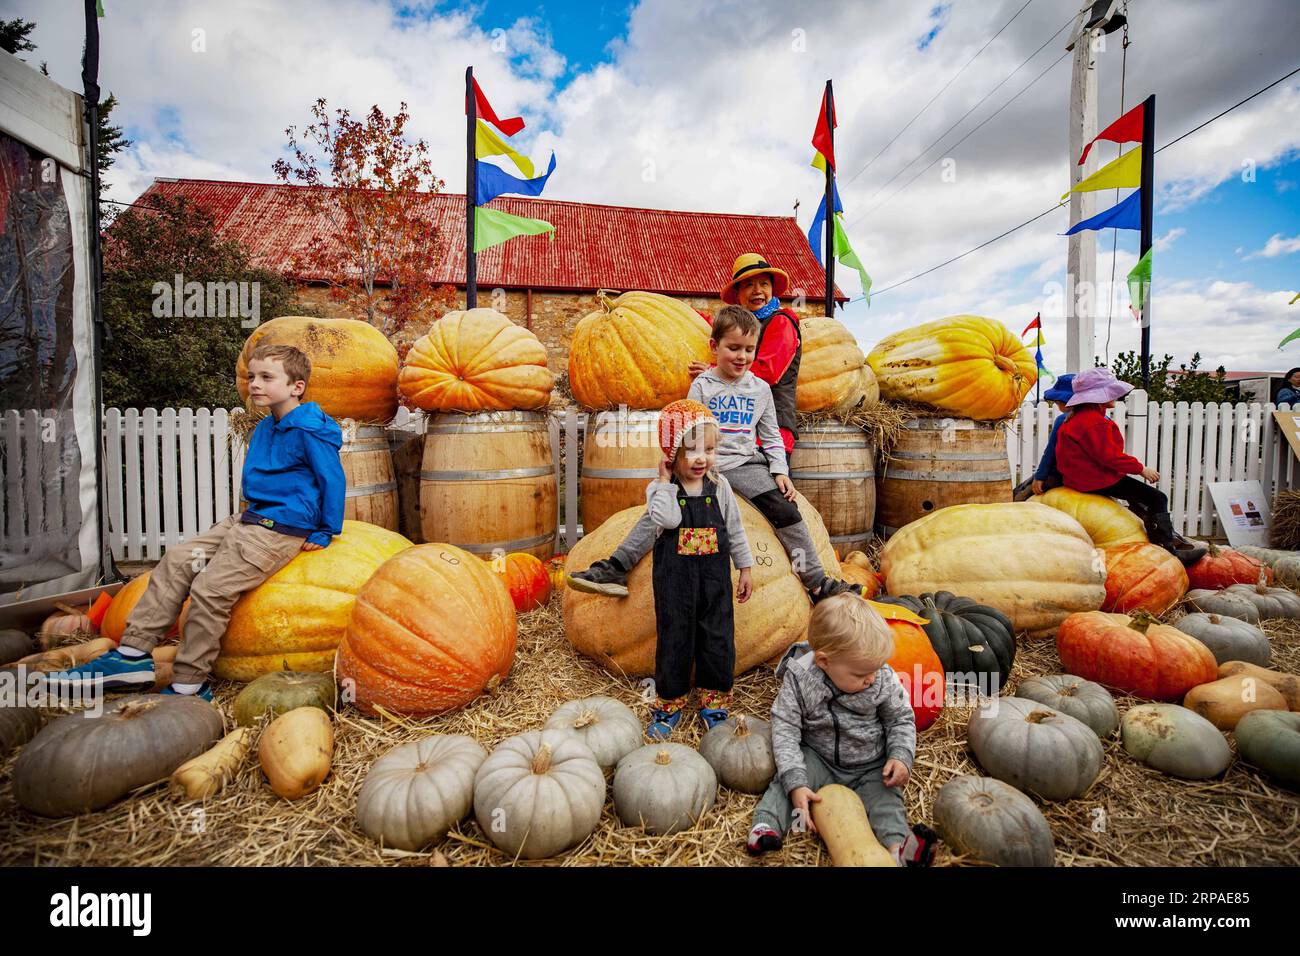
pixel 1033 563
pixel 295 619
pixel 965 365
pixel 431 629
pixel 1134 654
pixel 833 374
pixel 476 361
pixel 635 351
pixel 353 366
pixel 1107 522
pixel 1143 577
pixel 619 633
pixel 124 602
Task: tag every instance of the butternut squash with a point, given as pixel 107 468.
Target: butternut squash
pixel 205 775
pixel 1288 685
pixel 62 658
pixel 296 750
pixel 841 819
pixel 1225 701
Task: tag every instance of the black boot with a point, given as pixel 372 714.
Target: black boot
pixel 1161 531
pixel 604 577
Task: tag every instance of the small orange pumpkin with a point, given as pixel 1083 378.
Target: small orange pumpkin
pixel 915 662
pixel 856 569
pixel 60 625
pixel 555 567
pixel 526 578
pixel 124 603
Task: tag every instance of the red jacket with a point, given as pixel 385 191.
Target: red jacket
pixel 778 349
pixel 1090 451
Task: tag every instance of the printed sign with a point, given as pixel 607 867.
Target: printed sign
pixel 1243 511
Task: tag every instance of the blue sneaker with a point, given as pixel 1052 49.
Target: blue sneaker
pixel 712 716
pixel 118 673
pixel 205 691
pixel 663 725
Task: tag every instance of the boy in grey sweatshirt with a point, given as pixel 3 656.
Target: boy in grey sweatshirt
pixel 742 403
pixel 841 716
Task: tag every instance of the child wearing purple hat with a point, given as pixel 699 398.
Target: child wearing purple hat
pixel 1090 455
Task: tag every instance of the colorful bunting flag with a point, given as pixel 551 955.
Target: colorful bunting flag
pixel 493 227
pixel 1126 214
pixel 487 143
pixel 1119 174
pixel 846 256
pixel 1139 284
pixel 494 181
pixel 819 222
pixel 483 110
pixel 1295 300
pixel 1293 335
pixel 821 138
pixel 1126 129
pixel 1036 324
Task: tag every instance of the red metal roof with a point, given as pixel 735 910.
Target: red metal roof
pixel 595 246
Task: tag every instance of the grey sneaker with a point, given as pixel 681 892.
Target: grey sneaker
pixel 603 577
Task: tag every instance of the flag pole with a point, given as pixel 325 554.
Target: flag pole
pixel 830 206
pixel 471 190
pixel 1148 204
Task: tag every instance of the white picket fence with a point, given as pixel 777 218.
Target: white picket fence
pixel 172 473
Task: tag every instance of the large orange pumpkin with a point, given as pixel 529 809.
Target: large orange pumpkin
pixel 476 361
pixel 526 578
pixel 1134 654
pixel 833 373
pixel 635 351
pixel 856 569
pixel 1142 577
pixel 915 662
pixel 353 366
pixel 431 629
pixel 1222 567
pixel 124 602
pixel 295 618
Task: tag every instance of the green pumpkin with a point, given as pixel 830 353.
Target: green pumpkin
pixel 1270 740
pixel 969 638
pixel 282 691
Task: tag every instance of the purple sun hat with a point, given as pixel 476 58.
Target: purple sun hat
pixel 1097 386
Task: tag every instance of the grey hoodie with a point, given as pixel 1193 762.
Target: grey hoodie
pixel 743 408
pixel 846 730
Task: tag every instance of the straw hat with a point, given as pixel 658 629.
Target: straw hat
pixel 751 264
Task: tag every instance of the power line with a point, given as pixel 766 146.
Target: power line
pixel 1045 212
pixel 937 95
pixel 978 104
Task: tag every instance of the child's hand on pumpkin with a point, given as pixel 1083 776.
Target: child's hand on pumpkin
pixel 695 368
pixel 895 773
pixel 311 545
pixel 745 587
pixel 801 797
pixel 784 483
pixel 1037 487
pixel 1150 474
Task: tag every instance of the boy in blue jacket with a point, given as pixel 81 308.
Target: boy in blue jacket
pixel 294 484
pixel 1046 476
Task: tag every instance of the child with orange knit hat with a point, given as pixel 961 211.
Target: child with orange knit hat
pixel 698 534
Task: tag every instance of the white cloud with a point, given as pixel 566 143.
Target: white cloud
pixel 1277 245
pixel 1162 243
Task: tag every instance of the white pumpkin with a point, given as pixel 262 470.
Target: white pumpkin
pixel 418 791
pixel 604 724
pixel 664 788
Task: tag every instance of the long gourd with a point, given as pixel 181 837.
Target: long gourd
pixel 205 775
pixel 841 819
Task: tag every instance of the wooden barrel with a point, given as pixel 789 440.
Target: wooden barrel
pixel 619 458
pixel 937 462
pixel 372 486
pixel 833 466
pixel 488 482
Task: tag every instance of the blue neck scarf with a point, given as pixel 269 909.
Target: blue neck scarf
pixel 772 305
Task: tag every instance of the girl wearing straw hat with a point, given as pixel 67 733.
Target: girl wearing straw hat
pixel 754 287
pixel 1090 455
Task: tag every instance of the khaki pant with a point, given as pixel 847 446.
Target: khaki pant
pixel 213 569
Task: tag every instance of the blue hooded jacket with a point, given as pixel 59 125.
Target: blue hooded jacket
pixel 292 473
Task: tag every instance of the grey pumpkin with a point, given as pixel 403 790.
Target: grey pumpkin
pixel 1082 699
pixel 604 724
pixel 418 791
pixel 1034 747
pixel 1285 564
pixel 1228 638
pixel 740 752
pixel 1175 740
pixel 18 724
pixel 82 762
pixel 664 788
pixel 1264 602
pixel 1270 740
pixel 993 822
pixel 14 645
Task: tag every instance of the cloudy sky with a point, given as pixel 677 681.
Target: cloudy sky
pixel 709 105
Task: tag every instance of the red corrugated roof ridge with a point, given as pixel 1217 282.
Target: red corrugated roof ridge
pixel 597 246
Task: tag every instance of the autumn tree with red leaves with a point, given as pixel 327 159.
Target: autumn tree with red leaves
pixel 377 245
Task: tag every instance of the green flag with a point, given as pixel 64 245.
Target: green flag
pixel 1293 335
pixel 845 254
pixel 1139 283
pixel 492 227
pixel 99 8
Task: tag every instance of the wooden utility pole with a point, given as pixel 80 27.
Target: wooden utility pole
pixel 471 189
pixel 1081 259
pixel 830 206
pixel 1148 206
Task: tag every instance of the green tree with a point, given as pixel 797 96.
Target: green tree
pixel 160 360
pixel 1188 384
pixel 13 36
